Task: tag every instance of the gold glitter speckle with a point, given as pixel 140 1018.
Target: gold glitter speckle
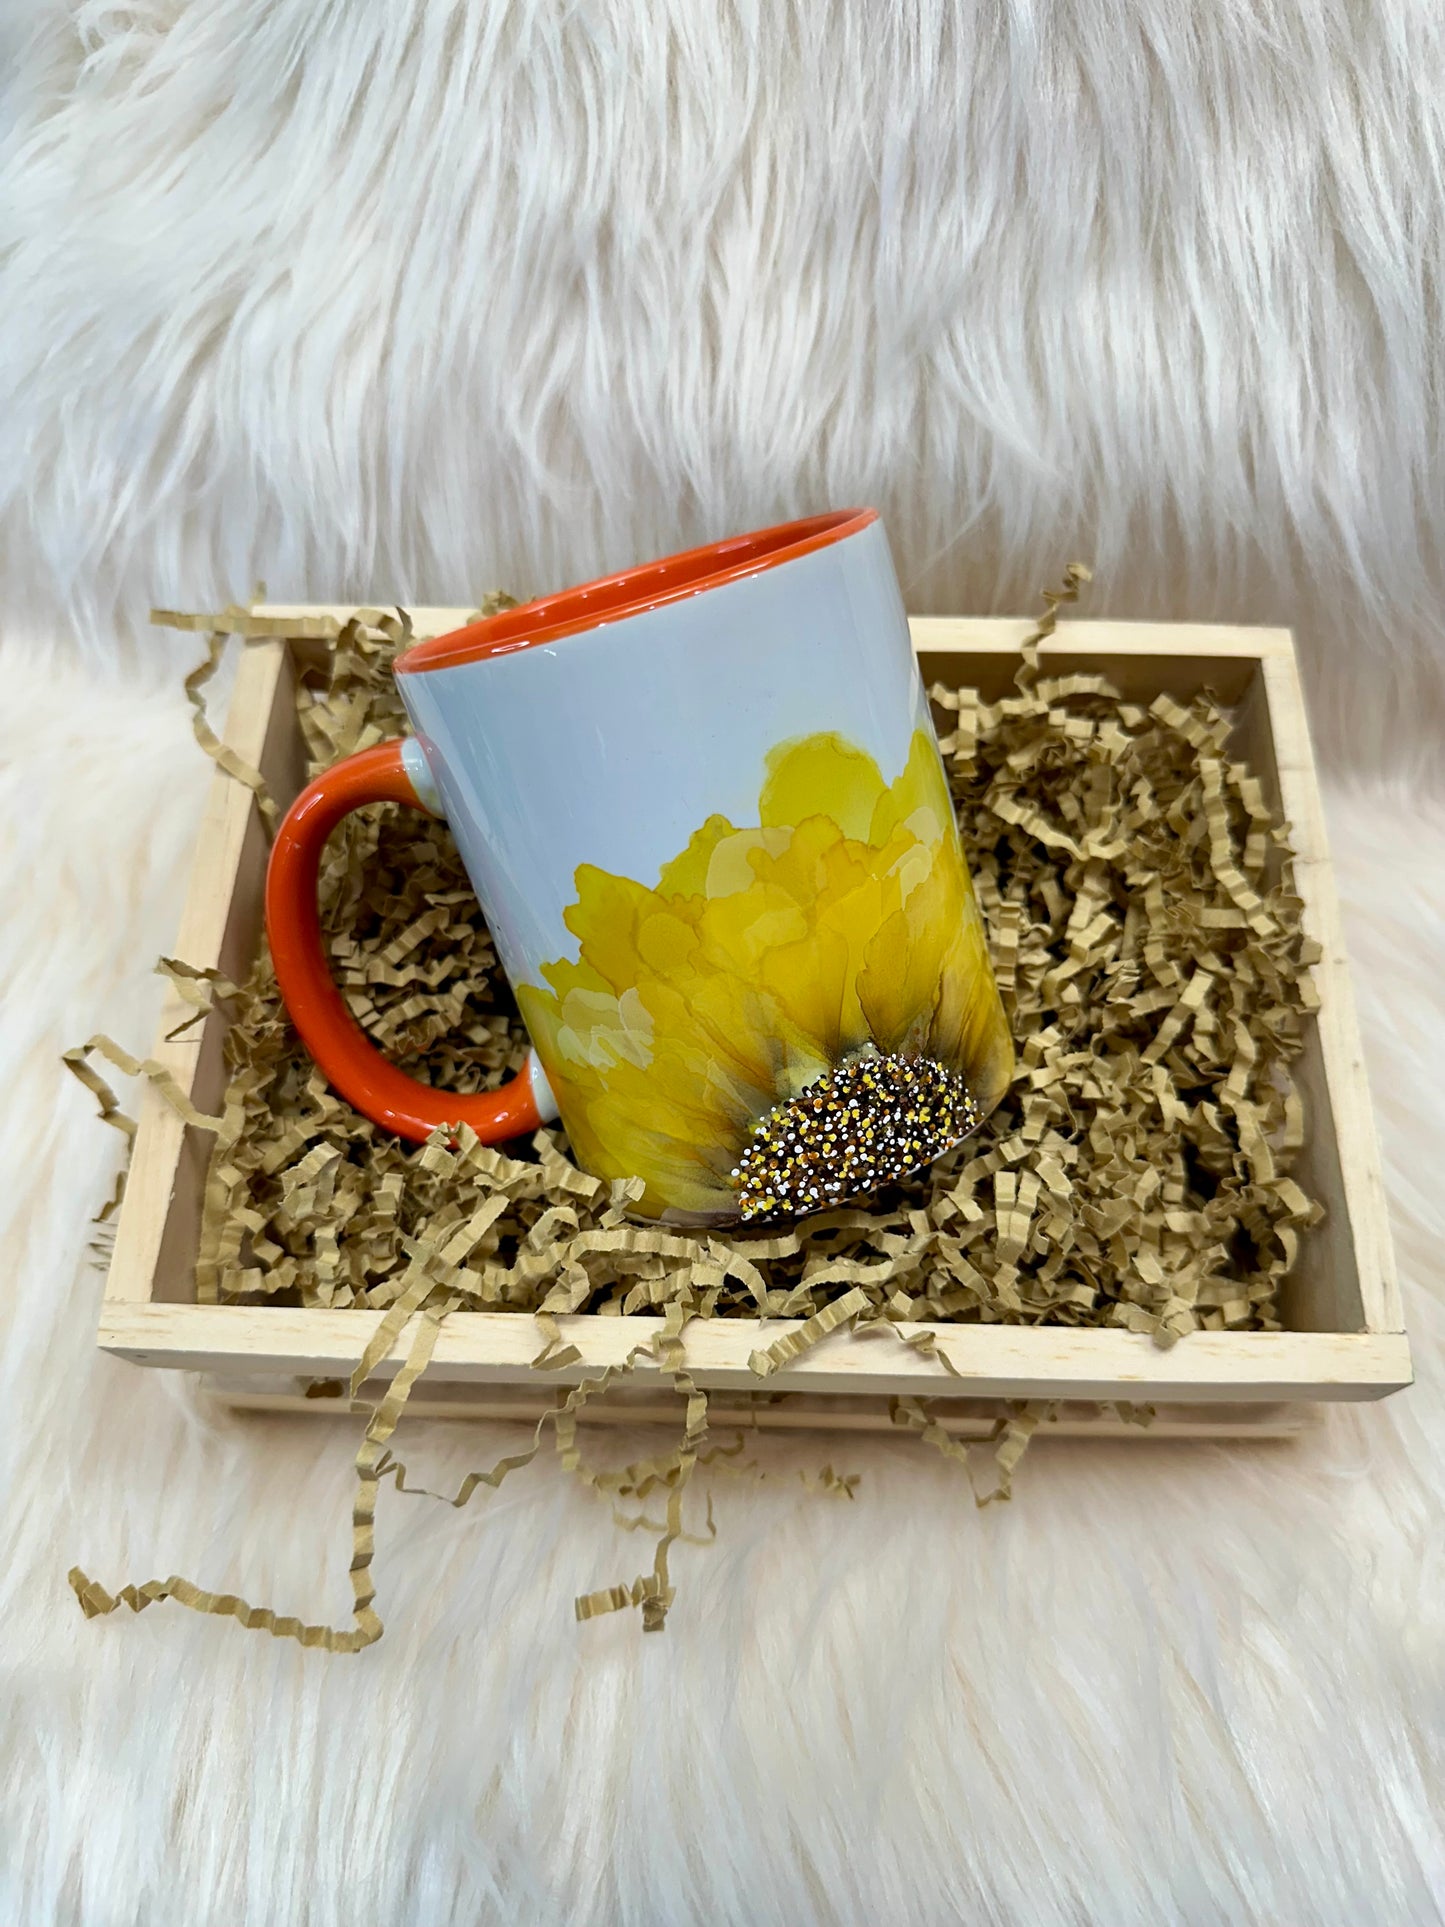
pixel 869 1122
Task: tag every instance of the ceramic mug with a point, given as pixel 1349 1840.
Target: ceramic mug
pixel 703 807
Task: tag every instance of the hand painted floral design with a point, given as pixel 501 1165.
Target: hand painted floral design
pixel 761 959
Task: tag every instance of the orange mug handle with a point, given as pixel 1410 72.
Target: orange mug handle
pixel 351 1062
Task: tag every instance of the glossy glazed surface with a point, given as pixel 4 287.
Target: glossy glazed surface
pixel 614 752
pixel 715 846
pixel 652 586
pixel 293 926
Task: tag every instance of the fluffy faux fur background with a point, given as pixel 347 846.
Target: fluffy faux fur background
pixel 398 301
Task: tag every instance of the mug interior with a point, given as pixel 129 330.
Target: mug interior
pixel 634 590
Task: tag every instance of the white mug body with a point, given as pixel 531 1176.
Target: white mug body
pixel 713 840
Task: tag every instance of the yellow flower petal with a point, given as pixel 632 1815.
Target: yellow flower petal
pixel 730 868
pixel 765 955
pixel 686 875
pixel 821 776
pixel 605 918
pixel 921 786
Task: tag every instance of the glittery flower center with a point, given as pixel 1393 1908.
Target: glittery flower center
pixel 870 1121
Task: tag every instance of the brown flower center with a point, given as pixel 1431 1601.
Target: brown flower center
pixel 868 1122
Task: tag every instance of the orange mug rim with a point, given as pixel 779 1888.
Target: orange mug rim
pixel 632 592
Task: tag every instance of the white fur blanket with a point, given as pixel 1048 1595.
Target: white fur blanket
pixel 403 300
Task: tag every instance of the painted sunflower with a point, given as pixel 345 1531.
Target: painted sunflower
pixel 762 959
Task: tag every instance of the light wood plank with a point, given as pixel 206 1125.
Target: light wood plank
pixel 162 1142
pixel 1007 634
pixel 426 620
pixel 1352 1184
pixel 1003 1361
pixel 792 1412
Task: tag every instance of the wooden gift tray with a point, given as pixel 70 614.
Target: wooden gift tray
pixel 1345 1338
